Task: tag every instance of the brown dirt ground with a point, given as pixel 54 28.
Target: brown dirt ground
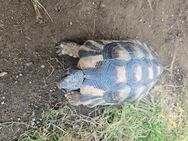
pixel 27 49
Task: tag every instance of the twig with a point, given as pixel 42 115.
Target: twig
pixel 51 71
pixel 62 65
pixel 45 11
pixel 13 122
pixel 61 129
pixel 150 5
pixel 173 61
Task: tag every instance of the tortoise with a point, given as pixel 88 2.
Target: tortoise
pixel 109 72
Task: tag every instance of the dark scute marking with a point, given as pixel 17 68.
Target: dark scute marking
pixel 100 42
pixel 128 47
pixel 144 65
pixel 132 94
pixel 104 75
pixel 108 49
pixel 108 52
pixel 91 46
pixel 93 83
pixel 98 78
pixel 83 53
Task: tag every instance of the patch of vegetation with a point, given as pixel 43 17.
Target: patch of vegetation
pixel 38 7
pixel 141 121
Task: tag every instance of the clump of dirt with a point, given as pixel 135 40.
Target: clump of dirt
pixel 27 49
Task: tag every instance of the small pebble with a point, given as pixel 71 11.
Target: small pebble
pixel 3 97
pixel 140 20
pixel 17 76
pixel 42 66
pixel 29 64
pixel 70 23
pixel 28 38
pixel 2 103
pixel 20 74
pixel 3 74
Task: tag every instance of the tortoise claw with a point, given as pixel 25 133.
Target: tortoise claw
pixel 65 48
pixel 60 50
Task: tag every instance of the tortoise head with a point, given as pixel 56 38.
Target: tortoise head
pixel 72 81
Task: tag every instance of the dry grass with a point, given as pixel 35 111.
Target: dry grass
pixel 141 121
pixel 38 7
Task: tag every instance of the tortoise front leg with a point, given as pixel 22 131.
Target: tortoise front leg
pixel 68 48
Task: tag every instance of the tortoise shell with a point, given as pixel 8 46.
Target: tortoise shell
pixel 116 71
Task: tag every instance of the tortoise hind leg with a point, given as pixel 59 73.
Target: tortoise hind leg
pixel 73 97
pixel 68 48
pixel 76 99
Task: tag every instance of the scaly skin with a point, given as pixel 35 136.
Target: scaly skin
pixel 68 48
